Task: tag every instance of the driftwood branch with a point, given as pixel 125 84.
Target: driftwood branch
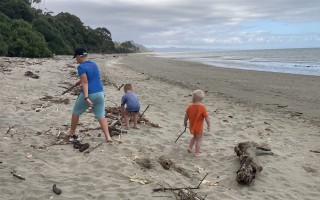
pixel 315 151
pixel 185 129
pixel 17 175
pixel 144 111
pixel 70 88
pixel 93 148
pixel 247 152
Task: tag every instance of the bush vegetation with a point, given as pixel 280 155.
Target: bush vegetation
pixel 29 32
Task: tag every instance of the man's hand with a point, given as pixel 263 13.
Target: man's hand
pixel 89 102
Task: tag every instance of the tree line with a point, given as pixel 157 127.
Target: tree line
pixel 29 32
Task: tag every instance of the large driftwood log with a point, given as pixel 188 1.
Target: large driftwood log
pixel 247 151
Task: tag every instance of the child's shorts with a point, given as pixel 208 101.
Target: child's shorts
pixel 98 108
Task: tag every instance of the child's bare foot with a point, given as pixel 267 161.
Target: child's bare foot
pixel 200 154
pixel 135 127
pixel 109 140
pixel 189 150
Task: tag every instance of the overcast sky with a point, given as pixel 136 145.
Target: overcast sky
pixel 216 24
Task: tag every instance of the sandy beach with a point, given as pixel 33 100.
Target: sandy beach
pixel 281 110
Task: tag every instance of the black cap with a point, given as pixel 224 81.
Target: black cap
pixel 80 52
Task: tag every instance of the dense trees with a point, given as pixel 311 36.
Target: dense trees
pixel 28 32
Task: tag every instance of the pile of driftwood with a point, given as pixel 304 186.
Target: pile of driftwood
pixel 184 193
pixel 114 113
pixel 247 152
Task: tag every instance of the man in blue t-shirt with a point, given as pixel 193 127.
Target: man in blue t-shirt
pixel 91 95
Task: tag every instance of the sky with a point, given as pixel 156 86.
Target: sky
pixel 201 24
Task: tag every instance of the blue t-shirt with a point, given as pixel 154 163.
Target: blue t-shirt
pixel 131 101
pixel 93 75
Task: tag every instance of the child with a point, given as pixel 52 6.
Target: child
pixel 196 113
pixel 130 100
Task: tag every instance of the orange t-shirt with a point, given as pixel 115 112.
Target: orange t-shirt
pixel 196 113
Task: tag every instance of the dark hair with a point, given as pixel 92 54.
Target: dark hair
pixel 127 87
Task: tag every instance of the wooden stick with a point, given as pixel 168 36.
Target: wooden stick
pixel 191 188
pixel 315 151
pixel 144 111
pixel 185 129
pixel 69 89
pixel 202 180
pixel 93 148
pixel 18 176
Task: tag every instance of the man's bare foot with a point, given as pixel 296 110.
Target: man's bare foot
pixel 189 150
pixel 68 133
pixel 135 127
pixel 199 154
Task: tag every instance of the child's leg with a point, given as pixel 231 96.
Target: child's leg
pixel 135 120
pixel 192 141
pixel 198 140
pixel 126 119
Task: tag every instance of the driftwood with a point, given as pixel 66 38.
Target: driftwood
pixel 115 112
pixel 315 151
pixel 247 151
pixel 14 173
pixel 168 164
pixel 31 74
pixel 56 190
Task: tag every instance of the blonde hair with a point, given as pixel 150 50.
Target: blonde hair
pixel 197 96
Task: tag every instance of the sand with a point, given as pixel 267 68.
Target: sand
pixel 280 110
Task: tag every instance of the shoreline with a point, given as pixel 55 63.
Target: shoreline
pixel 290 94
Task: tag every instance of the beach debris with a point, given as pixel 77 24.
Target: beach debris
pixel 119 140
pixel 29 156
pixel 247 152
pixel 31 74
pixel 10 127
pixel 185 129
pixel 56 190
pixel 14 173
pixel 141 180
pixel 145 163
pixel 169 165
pixel 184 193
pixel 55 100
pixel 81 147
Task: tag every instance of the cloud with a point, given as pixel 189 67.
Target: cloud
pixel 194 23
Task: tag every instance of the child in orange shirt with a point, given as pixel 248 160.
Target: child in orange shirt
pixel 196 113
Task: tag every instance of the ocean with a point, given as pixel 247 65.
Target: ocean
pixel 292 61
